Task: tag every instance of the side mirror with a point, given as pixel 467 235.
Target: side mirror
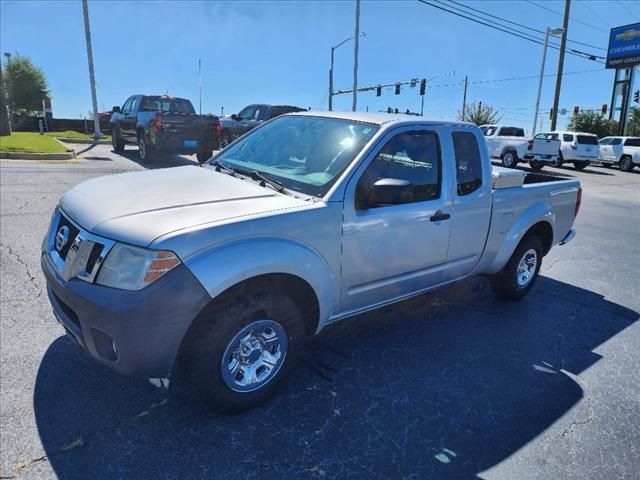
pixel 115 109
pixel 234 117
pixel 390 191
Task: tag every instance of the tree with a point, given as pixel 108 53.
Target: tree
pixel 479 113
pixel 27 85
pixel 591 122
pixel 633 124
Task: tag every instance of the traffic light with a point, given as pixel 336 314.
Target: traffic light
pixel 396 111
pixel 397 89
pixel 408 111
pixel 551 114
pixel 636 96
pixel 389 110
pixel 423 86
pixel 378 91
pixel 604 109
pixel 413 82
pixel 576 109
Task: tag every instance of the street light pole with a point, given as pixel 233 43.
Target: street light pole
pixel 355 58
pixel 550 31
pixel 333 49
pixel 92 78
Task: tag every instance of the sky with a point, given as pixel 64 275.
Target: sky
pixel 279 52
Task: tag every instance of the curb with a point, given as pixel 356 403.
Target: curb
pixel 38 156
pixel 83 141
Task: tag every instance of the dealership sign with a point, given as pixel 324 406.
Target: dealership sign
pixel 624 46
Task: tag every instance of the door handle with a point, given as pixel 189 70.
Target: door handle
pixel 439 216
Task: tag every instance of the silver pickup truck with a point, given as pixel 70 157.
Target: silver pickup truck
pixel 220 271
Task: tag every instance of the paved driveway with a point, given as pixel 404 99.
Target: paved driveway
pixel 451 384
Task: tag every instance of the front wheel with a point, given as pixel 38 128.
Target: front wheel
pixel 509 159
pixel 581 165
pixel 242 346
pixel 521 271
pixel 536 165
pixel 203 156
pixel 626 165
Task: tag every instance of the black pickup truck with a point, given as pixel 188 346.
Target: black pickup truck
pixel 250 117
pixel 159 123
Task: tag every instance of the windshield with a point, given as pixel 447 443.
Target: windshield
pixel 304 153
pixel 166 104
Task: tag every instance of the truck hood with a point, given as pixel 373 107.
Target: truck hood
pixel 138 207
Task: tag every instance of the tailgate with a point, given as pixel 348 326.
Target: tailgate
pixel 542 146
pixel 188 127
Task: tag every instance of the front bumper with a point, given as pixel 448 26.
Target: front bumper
pixel 133 332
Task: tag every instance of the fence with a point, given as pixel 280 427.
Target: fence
pixel 30 124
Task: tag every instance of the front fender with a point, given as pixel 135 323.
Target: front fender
pixel 227 265
pixel 539 212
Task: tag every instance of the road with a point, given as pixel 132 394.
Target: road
pixel 451 384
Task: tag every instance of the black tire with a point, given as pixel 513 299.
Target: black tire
pixel 581 165
pixel 145 150
pixel 509 159
pixel 626 165
pixel 203 156
pixel 506 283
pixel 225 139
pixel 116 143
pixel 536 165
pixel 217 327
pixel 558 161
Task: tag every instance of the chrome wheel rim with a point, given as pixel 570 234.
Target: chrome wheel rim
pixel 254 356
pixel 224 141
pixel 527 268
pixel 143 148
pixel 508 159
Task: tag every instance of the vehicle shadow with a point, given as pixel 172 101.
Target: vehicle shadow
pixel 445 385
pixel 161 160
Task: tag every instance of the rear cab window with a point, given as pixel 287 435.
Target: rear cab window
pixel 587 139
pixel 166 104
pixel 468 162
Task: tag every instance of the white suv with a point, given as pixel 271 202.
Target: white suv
pixel 624 151
pixel 579 148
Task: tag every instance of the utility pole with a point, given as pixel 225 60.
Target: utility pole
pixel 464 97
pixel 92 78
pixel 355 58
pixel 563 46
pixel 200 83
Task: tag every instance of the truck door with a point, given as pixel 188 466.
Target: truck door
pixel 393 250
pixel 472 200
pixel 128 122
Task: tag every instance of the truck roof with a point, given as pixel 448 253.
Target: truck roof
pixel 380 118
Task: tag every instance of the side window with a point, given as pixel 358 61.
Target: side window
pixel 247 113
pixel 258 113
pixel 126 108
pixel 541 135
pixel 567 138
pixel 135 104
pixel 632 142
pixel 277 111
pixel 468 162
pixel 616 141
pixel 411 156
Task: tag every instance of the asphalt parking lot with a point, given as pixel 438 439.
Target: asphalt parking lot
pixel 451 384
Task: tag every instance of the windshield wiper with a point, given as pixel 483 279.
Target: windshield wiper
pixel 222 167
pixel 264 180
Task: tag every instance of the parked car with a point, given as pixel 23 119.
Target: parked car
pixel 251 116
pixel 510 145
pixel 621 151
pixel 220 271
pixel 158 123
pixel 576 147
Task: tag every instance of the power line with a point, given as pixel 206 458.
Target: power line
pixel 518 24
pixel 561 14
pixel 523 35
pixel 586 4
pixel 625 7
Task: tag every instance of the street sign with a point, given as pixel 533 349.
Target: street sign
pixel 624 46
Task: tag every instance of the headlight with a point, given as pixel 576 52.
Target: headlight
pixel 133 268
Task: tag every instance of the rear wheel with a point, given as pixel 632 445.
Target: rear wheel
pixel 242 346
pixel 580 165
pixel 203 156
pixel 626 165
pixel 144 149
pixel 536 165
pixel 116 143
pixel 521 271
pixel 509 159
